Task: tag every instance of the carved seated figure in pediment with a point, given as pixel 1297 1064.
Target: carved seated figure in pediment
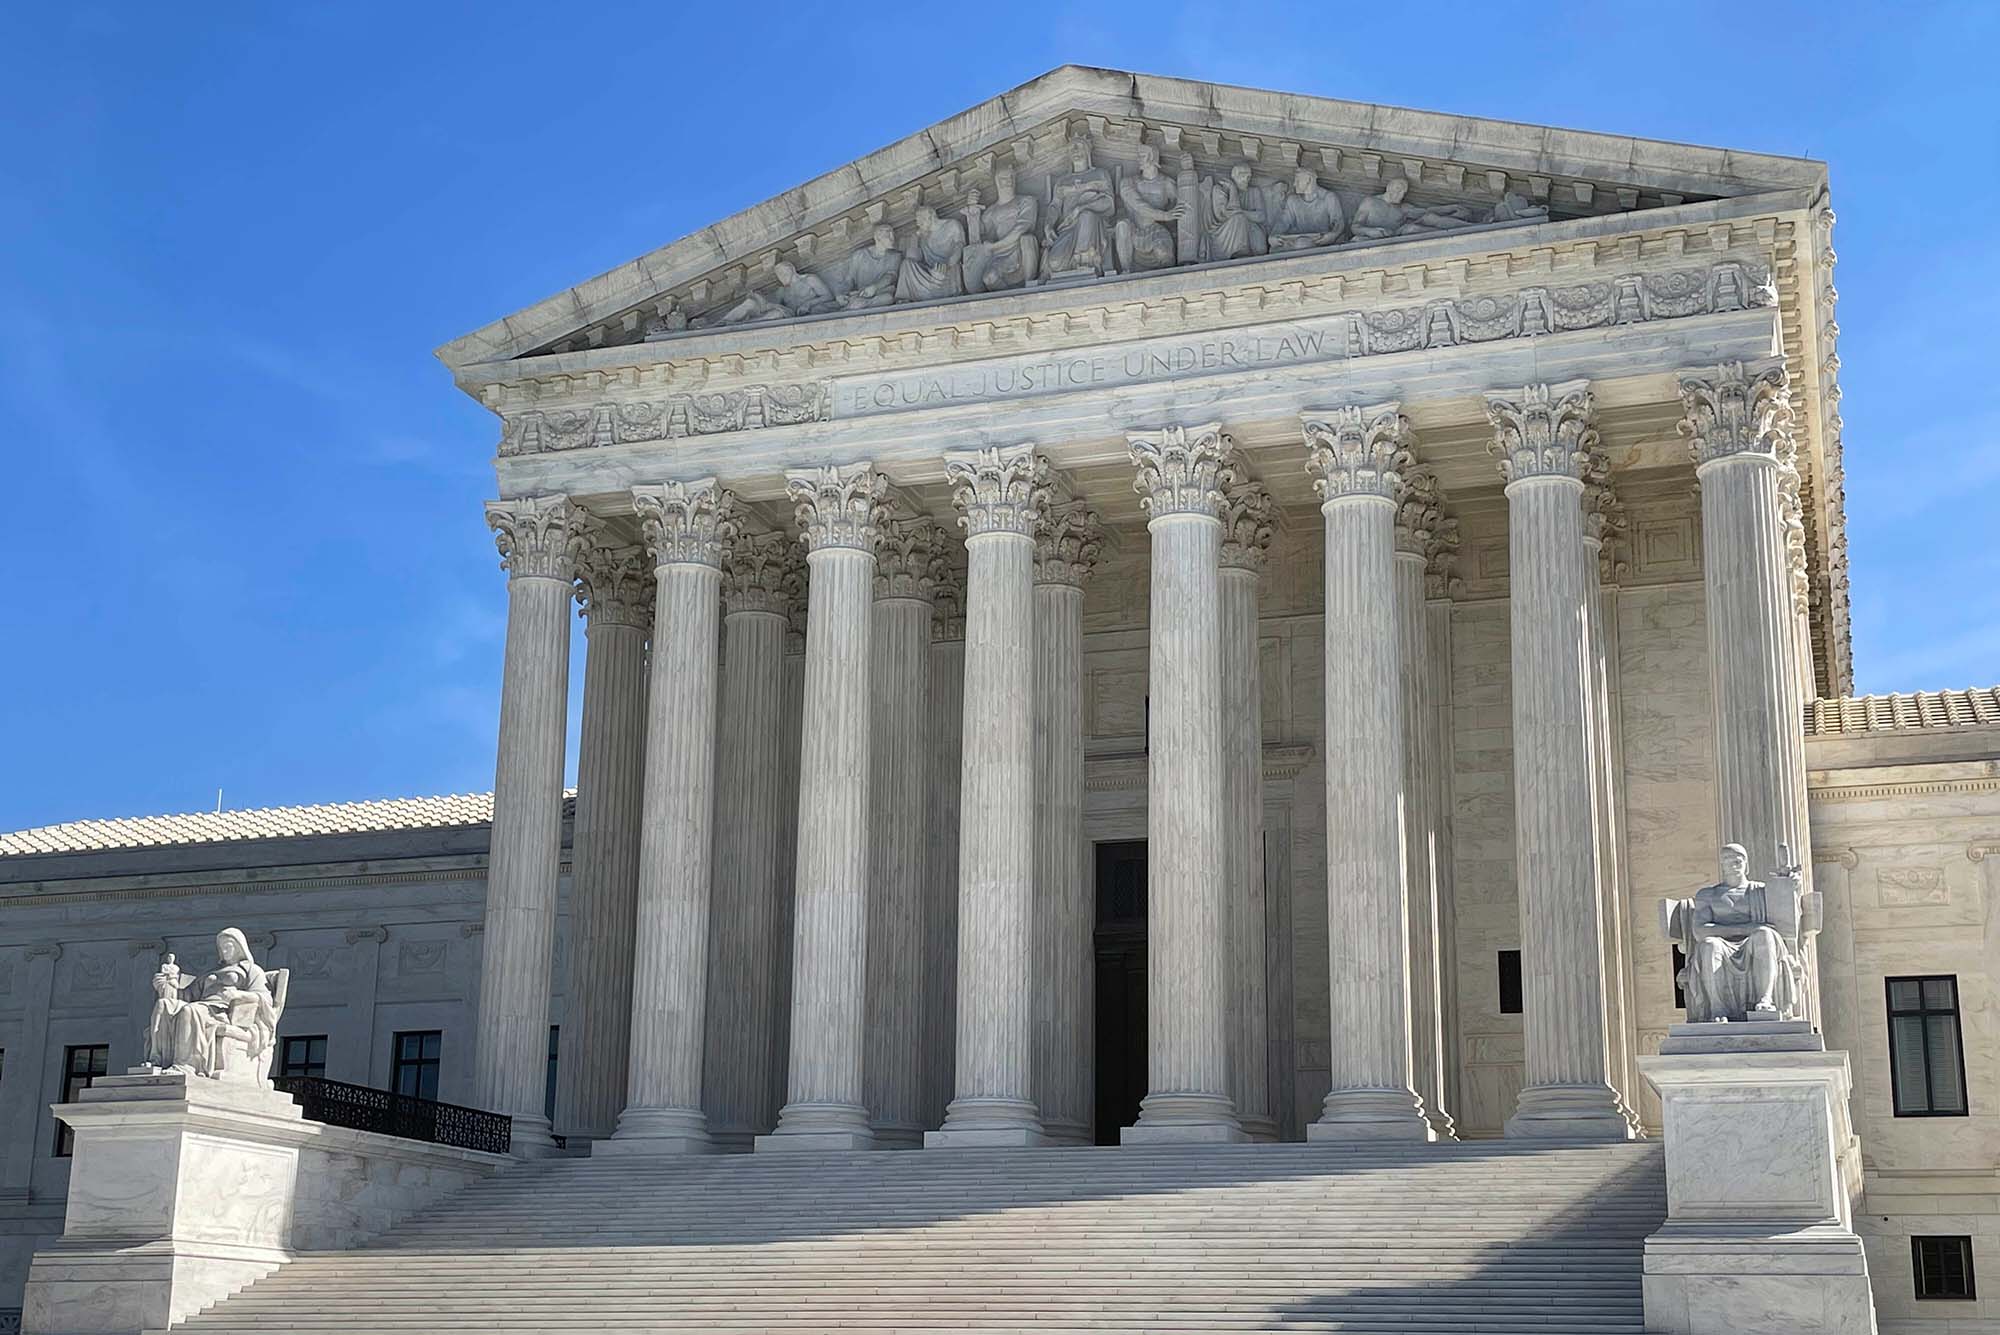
pixel 1308 216
pixel 872 272
pixel 1744 942
pixel 1145 236
pixel 224 1023
pixel 1389 214
pixel 1005 251
pixel 1076 237
pixel 1517 207
pixel 933 264
pixel 799 293
pixel 1236 216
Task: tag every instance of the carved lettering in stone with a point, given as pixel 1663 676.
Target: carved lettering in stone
pixel 614 585
pixel 540 537
pixel 1179 469
pixel 1737 409
pixel 1067 543
pixel 1356 451
pixel 1002 489
pixel 1543 430
pixel 838 506
pixel 756 571
pixel 686 523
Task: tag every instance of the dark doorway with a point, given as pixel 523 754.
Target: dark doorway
pixel 1121 985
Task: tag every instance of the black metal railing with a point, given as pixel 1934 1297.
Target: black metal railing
pixel 362 1108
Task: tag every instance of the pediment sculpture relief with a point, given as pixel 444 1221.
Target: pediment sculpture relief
pixel 1085 220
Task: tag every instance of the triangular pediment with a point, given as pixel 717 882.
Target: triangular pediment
pixel 1452 174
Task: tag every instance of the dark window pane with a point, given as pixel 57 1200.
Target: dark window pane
pixel 81 1067
pixel 1906 1044
pixel 1940 994
pixel 1942 1267
pixel 1510 982
pixel 1947 1086
pixel 1905 994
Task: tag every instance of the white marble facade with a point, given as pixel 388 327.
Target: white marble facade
pixel 1425 544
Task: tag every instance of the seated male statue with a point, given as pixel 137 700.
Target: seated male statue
pixel 1741 941
pixel 798 293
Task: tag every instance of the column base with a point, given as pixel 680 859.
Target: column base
pixel 1260 1130
pixel 819 1126
pixel 898 1136
pixel 972 1122
pixel 657 1131
pixel 1442 1125
pixel 1184 1119
pixel 1068 1133
pixel 534 1137
pixel 1371 1114
pixel 1569 1112
pixel 733 1139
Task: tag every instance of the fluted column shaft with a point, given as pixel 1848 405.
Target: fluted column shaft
pixel 538 539
pixel 1356 455
pixel 616 585
pixel 1419 841
pixel 1598 607
pixel 687 527
pixel 1065 907
pixel 999 496
pixel 945 769
pixel 1543 437
pixel 1187 929
pixel 893 1060
pixel 838 509
pixel 739 1062
pixel 1246 537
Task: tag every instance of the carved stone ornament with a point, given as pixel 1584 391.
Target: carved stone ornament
pixel 1067 543
pixel 1745 942
pixel 1247 510
pixel 909 557
pixel 948 601
pixel 1356 451
pixel 1736 409
pixel 838 505
pixel 614 586
pixel 755 570
pixel 1543 431
pixel 222 1024
pixel 1419 511
pixel 1441 561
pixel 1001 489
pixel 540 537
pixel 1179 469
pixel 1605 523
pixel 686 523
pixel 795 583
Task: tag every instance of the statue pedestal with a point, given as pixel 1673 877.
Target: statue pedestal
pixel 1762 1170
pixel 180 1193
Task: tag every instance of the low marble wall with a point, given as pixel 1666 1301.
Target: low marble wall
pixel 354 1185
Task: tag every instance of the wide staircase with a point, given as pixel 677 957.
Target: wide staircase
pixel 1475 1237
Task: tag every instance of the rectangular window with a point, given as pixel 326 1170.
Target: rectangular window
pixel 304 1055
pixel 81 1067
pixel 415 1070
pixel 1510 982
pixel 1680 993
pixel 1926 1054
pixel 1943 1267
pixel 549 1090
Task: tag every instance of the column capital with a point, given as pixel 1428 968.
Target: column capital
pixel 1737 409
pixel 755 573
pixel 948 603
pixel 838 505
pixel 1604 519
pixel 614 586
pixel 908 557
pixel 1419 512
pixel 1178 469
pixel 1542 431
pixel 1441 561
pixel 540 537
pixel 1066 544
pixel 1357 451
pixel 1000 489
pixel 687 523
pixel 1247 509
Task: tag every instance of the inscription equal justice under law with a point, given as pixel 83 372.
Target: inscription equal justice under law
pixel 1063 373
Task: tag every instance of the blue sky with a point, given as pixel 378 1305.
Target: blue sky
pixel 243 540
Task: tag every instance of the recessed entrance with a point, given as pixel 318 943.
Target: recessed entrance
pixel 1121 986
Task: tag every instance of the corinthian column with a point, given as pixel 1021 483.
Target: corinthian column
pixel 1543 436
pixel 1738 419
pixel 539 537
pixel 839 511
pixel 906 567
pixel 1246 539
pixel 1356 456
pixel 1187 930
pixel 947 693
pixel 615 585
pixel 739 1061
pixel 1419 518
pixel 688 526
pixel 1065 909
pixel 999 494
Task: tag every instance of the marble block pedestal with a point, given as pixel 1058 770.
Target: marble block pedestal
pixel 180 1193
pixel 1762 1169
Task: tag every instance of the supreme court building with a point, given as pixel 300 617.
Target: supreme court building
pixel 1149 613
